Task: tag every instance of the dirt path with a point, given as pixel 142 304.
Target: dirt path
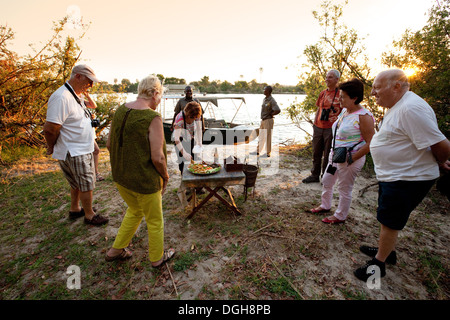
pixel 276 249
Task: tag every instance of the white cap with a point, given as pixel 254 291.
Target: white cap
pixel 85 71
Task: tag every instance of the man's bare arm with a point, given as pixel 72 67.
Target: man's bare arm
pixel 51 134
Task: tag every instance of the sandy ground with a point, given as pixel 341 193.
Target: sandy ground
pixel 276 237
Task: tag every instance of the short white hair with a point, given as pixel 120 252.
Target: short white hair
pixel 148 86
pixel 335 72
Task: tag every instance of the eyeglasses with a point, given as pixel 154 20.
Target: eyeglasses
pixel 91 83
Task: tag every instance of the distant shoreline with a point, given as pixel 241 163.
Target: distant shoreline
pixel 293 93
pixel 205 93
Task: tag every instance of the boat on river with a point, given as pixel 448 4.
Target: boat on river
pixel 218 131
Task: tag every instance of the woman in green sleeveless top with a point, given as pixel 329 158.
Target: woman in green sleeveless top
pixel 139 168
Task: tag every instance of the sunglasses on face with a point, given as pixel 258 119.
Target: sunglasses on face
pixel 90 82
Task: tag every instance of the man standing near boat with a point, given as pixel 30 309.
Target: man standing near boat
pixel 327 112
pixel 269 109
pixel 183 102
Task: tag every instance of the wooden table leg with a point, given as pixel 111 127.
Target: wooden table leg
pixel 232 206
pixel 194 198
pixel 195 207
pixel 227 191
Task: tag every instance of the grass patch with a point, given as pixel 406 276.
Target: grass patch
pixel 353 295
pixel 272 251
pixel 434 271
pixel 187 260
pixel 12 154
pixel 281 286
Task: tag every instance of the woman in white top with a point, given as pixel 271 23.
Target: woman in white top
pixel 354 129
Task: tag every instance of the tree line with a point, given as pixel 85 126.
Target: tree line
pixel 26 82
pixel 204 85
pixel 426 52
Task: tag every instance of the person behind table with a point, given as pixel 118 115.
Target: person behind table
pixel 184 129
pixel 353 129
pixel 181 104
pixel 328 109
pixel 269 109
pixel 70 139
pixel 139 169
pixel 407 152
pixel 185 125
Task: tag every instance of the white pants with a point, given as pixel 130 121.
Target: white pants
pixel 265 136
pixel 345 175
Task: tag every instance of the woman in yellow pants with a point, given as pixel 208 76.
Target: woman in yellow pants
pixel 139 167
pixel 147 206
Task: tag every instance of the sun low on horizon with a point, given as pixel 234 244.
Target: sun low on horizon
pixel 411 71
pixel 232 41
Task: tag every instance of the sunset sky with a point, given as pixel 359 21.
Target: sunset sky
pixel 225 40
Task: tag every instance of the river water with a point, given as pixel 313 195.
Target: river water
pixel 249 113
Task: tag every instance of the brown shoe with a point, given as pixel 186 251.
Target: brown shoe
pixel 97 220
pixel 124 255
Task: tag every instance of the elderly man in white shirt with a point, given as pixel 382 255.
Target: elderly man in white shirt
pixel 69 134
pixel 407 152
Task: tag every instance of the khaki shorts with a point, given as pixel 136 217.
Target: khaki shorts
pixel 79 171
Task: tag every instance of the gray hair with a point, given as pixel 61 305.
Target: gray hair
pixel 336 73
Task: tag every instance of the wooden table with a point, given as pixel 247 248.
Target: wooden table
pixel 213 183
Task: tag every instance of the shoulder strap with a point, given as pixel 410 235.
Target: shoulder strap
pixel 184 119
pixel 335 131
pixel 334 97
pixel 332 101
pixel 351 148
pixel 73 93
pixel 86 111
pixel 123 126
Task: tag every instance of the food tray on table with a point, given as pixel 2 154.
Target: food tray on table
pixel 204 168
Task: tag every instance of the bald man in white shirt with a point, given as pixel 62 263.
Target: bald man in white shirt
pixel 407 151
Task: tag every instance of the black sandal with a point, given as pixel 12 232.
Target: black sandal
pixel 78 214
pixel 167 255
pixel 97 220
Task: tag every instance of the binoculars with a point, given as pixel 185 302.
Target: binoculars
pixel 326 114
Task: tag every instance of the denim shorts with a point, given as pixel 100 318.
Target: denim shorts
pixel 397 199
